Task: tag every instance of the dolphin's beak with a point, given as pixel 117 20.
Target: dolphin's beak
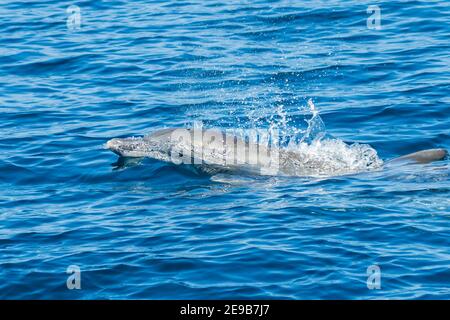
pixel 128 147
pixel 114 145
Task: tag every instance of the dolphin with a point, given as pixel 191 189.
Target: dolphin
pixel 214 149
pixel 218 150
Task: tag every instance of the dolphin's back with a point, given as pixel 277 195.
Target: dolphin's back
pixel 161 135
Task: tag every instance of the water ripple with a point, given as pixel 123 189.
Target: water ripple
pixel 147 229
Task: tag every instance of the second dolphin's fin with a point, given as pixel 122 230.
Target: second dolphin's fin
pixel 424 156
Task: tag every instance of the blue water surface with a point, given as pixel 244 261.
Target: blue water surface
pixel 157 231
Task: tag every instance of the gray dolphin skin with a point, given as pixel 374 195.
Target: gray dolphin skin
pixel 219 150
pixel 424 156
pixel 213 148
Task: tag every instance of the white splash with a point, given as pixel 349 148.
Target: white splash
pixel 319 155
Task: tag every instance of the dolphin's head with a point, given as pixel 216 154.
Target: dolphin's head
pixel 128 147
pixel 156 144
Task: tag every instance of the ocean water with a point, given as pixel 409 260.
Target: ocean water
pixel 74 74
